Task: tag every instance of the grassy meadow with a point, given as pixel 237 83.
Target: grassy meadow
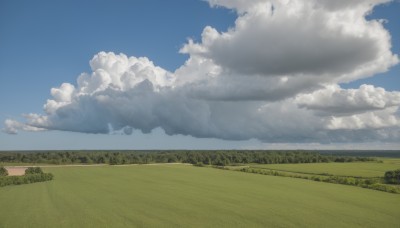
pixel 187 196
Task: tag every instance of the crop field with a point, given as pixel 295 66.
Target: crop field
pixel 355 169
pixel 187 196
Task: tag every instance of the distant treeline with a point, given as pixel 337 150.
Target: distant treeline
pixel 363 153
pixel 209 157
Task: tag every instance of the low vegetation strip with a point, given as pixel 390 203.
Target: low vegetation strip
pixel 32 175
pixel 25 179
pixel 297 172
pixel 354 169
pixel 370 183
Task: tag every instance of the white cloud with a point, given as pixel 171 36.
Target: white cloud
pixel 273 77
pixel 367 120
pixel 238 5
pixel 334 100
pixel 12 127
pixel 367 107
pixel 331 42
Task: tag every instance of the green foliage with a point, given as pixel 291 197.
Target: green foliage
pixel 3 171
pixel 392 177
pixel 33 170
pixel 215 157
pixel 186 196
pixel 199 164
pixel 32 175
pixel 26 179
pixel 364 153
pixel 384 188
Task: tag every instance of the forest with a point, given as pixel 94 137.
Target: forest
pixel 208 157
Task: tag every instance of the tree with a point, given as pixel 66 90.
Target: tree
pixel 33 170
pixel 392 177
pixel 3 171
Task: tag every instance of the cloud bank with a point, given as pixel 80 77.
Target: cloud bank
pixel 274 76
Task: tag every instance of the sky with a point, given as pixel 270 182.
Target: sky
pixel 192 74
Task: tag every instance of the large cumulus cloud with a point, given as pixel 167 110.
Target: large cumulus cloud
pixel 274 76
pixel 297 38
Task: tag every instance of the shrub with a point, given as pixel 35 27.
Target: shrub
pixel 27 179
pixel 3 171
pixel 315 178
pixel 199 164
pixel 384 188
pixel 370 181
pixel 33 170
pixel 350 181
pixel 392 177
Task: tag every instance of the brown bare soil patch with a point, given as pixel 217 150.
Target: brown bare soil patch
pixel 16 171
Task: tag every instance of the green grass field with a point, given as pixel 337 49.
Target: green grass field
pixel 357 169
pixel 186 196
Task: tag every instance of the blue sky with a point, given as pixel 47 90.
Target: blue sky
pixel 389 80
pixel 46 43
pixel 56 40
